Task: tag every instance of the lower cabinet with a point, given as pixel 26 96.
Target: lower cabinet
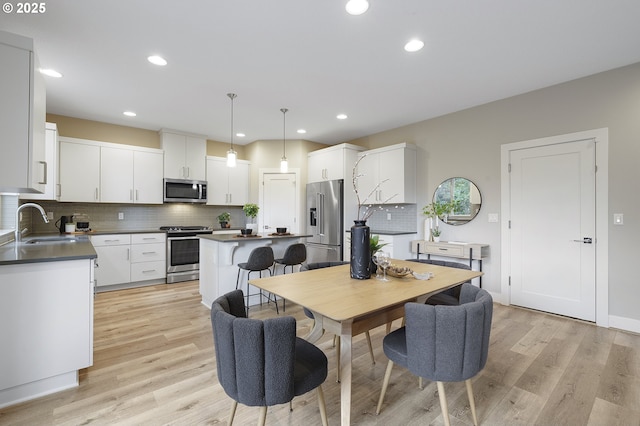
pixel 130 259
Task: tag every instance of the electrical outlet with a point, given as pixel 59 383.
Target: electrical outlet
pixel 50 215
pixel 618 219
pixel 388 216
pixel 120 216
pixel 493 217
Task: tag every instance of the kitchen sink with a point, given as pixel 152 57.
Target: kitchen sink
pixel 56 239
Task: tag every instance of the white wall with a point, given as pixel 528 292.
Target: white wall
pixel 467 144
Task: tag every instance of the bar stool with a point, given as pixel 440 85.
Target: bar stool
pixel 295 254
pixel 260 259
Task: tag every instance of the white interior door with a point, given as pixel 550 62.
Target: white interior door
pixel 279 202
pixel 553 228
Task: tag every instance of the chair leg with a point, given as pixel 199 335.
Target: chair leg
pixel 420 385
pixel 337 340
pixel 263 416
pixel 233 412
pixel 322 406
pixel 291 405
pixel 385 383
pixel 472 401
pixel 443 404
pixel 373 360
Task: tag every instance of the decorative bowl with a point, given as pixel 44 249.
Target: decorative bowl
pixel 281 230
pixel 398 271
pixel 422 275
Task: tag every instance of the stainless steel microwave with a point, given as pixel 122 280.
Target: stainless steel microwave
pixel 185 191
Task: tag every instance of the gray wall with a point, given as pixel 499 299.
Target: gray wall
pixel 467 143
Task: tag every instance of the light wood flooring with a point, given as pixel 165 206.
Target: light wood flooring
pixel 154 365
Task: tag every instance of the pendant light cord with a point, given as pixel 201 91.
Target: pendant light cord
pixel 284 137
pixel 232 96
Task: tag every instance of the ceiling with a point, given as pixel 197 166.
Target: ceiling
pixel 314 59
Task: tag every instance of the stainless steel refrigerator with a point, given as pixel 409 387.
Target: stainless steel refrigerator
pixel 324 221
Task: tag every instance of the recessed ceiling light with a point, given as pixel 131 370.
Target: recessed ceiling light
pixel 341 116
pixel 414 45
pixel 157 60
pixel 240 135
pixel 50 72
pixel 129 113
pixel 302 131
pixel 357 7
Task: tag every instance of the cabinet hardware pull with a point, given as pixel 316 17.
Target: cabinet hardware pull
pixel 149 252
pixel 148 271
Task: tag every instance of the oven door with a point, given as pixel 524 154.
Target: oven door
pixel 183 254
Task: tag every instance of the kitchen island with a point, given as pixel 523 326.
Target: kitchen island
pixel 46 315
pixel 220 255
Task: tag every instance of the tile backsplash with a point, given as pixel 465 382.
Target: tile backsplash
pixel 105 216
pixel 393 218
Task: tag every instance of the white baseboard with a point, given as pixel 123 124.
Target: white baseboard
pixel 626 324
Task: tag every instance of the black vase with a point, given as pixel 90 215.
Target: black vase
pixel 360 252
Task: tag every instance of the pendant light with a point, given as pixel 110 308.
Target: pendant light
pixel 231 154
pixel 284 166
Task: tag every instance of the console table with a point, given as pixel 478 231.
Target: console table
pixel 456 249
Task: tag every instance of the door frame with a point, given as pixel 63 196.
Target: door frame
pixel 261 173
pixel 601 137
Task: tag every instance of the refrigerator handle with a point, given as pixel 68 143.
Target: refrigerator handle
pixel 321 216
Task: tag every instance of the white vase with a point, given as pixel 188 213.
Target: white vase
pixel 436 239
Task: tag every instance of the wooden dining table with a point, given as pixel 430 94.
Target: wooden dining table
pixel 348 307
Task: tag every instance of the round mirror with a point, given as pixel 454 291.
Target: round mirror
pixel 464 199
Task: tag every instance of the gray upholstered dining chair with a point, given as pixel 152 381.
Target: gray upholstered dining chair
pixel 443 343
pixel 450 296
pixel 262 362
pixel 260 259
pixel 308 313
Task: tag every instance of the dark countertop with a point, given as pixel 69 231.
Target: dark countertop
pixel 234 238
pixel 373 231
pixel 74 248
pixel 114 231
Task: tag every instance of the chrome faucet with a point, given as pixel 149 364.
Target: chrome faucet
pixel 19 209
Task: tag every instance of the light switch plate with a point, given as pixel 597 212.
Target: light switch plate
pixel 493 217
pixel 618 219
pixel 120 216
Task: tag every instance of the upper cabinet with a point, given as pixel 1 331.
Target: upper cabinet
pixel 23 166
pixel 185 156
pixel 79 172
pixel 130 175
pixel 51 157
pixel 335 162
pixel 93 171
pixel 227 185
pixel 388 175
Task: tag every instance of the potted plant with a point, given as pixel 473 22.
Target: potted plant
pixel 436 210
pixel 251 211
pixel 436 234
pixel 224 219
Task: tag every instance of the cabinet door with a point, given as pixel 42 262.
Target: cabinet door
pixel 147 177
pixel 22 163
pixel 238 184
pixel 174 155
pixel 368 179
pixel 51 157
pixel 195 158
pixel 217 181
pixel 116 175
pixel 391 168
pixel 79 172
pixel 326 165
pixel 113 265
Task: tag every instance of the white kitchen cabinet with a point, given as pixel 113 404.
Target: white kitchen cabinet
pixel 148 257
pixel 125 259
pixel 114 259
pixel 79 171
pixel 227 185
pixel 335 162
pixel 130 176
pixel 23 163
pixel 397 245
pixel 184 156
pixel 388 175
pixel 51 157
pixel 46 327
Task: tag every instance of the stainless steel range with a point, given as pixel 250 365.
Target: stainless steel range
pixel 183 252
